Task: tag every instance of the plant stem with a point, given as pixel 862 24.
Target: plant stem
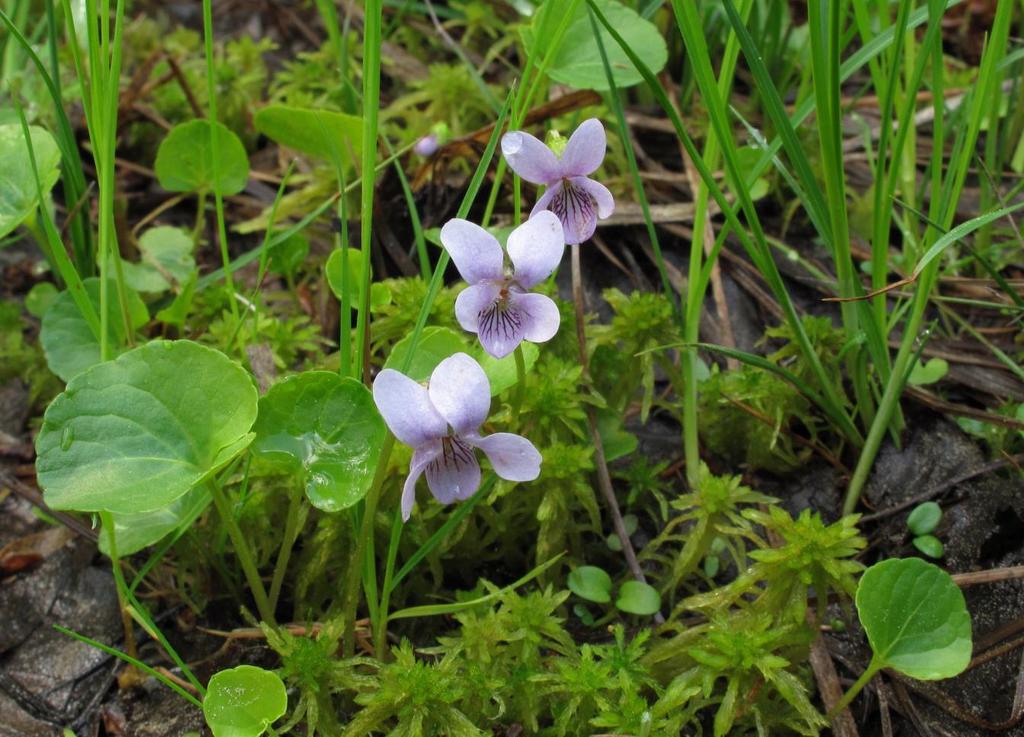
pixel 855 689
pixel 245 556
pixel 520 392
pixel 291 532
pixel 364 545
pixel 380 636
pixel 107 521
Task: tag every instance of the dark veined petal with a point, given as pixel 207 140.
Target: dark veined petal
pixel 530 158
pixel 514 457
pixel 535 248
pixel 472 301
pixel 407 409
pixel 585 149
pixel 540 316
pixel 500 328
pixel 454 473
pixel 476 253
pixel 603 198
pixel 421 458
pixel 460 392
pixel 576 208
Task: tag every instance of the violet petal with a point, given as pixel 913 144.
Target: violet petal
pixel 500 328
pixel 536 248
pixel 472 301
pixel 421 458
pixel 577 210
pixel 585 149
pixel 476 253
pixel 407 409
pixel 454 473
pixel 530 158
pixel 514 457
pixel 602 196
pixel 541 317
pixel 460 392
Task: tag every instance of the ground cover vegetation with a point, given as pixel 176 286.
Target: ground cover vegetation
pixel 513 367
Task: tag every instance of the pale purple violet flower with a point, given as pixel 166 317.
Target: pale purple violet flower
pixel 497 304
pixel 571 194
pixel 441 422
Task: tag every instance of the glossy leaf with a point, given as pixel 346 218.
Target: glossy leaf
pixel 577 61
pixel 135 434
pixel 321 133
pixel 244 701
pixel 915 619
pixel 184 161
pixel 325 428
pixel 68 342
pixel 591 583
pixel 924 518
pixel 19 195
pixel 636 597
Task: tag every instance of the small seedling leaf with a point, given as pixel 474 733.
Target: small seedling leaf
pixel 928 373
pixel 915 619
pixel 930 545
pixel 184 161
pixel 924 518
pixel 636 597
pixel 326 429
pixel 244 701
pixel 134 434
pixel 591 583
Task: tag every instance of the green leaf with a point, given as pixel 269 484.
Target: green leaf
pixel 184 161
pixel 379 293
pixel 287 256
pixel 133 532
pixel 166 259
pixel 68 342
pixel 19 195
pixel 134 434
pixel 321 133
pixel 930 545
pixel 325 428
pixel 244 701
pixel 924 518
pixel 435 345
pixel 618 442
pixel 928 373
pixel 636 597
pixel 501 372
pixel 577 61
pixel 40 298
pixel 915 619
pixel 591 583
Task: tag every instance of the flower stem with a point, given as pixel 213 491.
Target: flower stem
pixel 245 556
pixel 107 521
pixel 291 532
pixel 363 546
pixel 520 392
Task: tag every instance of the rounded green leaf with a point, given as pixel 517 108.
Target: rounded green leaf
pixel 69 343
pixel 577 61
pixel 40 298
pixel 325 428
pixel 930 545
pixel 435 345
pixel 591 583
pixel 134 434
pixel 379 293
pixel 501 372
pixel 133 532
pixel 321 133
pixel 636 597
pixel 928 373
pixel 924 518
pixel 185 163
pixel 915 619
pixel 244 701
pixel 165 259
pixel 19 193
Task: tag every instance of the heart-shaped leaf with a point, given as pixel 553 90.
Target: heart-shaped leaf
pixel 928 373
pixel 341 280
pixel 19 195
pixel 134 434
pixel 321 133
pixel 166 259
pixel 133 532
pixel 637 597
pixel 915 619
pixel 591 583
pixel 577 61
pixel 244 701
pixel 185 163
pixel 326 428
pixel 69 343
